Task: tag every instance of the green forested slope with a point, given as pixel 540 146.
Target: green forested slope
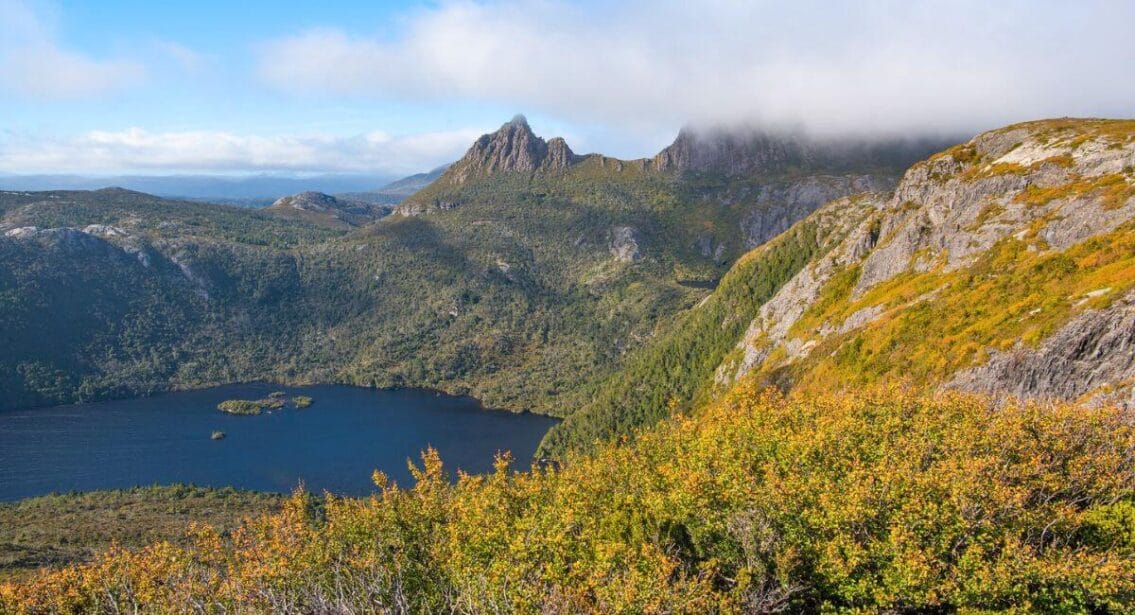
pixel 520 287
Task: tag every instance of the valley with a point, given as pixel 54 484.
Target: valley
pixel 791 375
pixel 518 285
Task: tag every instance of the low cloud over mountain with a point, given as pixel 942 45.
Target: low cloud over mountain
pixel 833 67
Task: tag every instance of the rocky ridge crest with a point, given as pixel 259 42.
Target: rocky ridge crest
pixel 1050 185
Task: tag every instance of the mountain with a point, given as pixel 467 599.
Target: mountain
pixel 397 190
pixel 739 151
pixel 1002 265
pixel 323 208
pixel 804 437
pixel 242 190
pixel 513 148
pixel 522 272
pixel 763 201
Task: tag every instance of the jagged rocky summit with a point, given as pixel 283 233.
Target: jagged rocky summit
pixel 512 148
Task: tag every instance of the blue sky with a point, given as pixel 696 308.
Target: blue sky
pixel 398 87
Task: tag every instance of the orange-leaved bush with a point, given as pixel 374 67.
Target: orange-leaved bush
pixel 883 499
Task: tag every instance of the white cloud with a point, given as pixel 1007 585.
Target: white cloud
pixel 894 65
pixel 33 64
pixel 216 151
pixel 187 59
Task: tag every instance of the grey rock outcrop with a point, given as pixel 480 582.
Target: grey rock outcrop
pixel 512 148
pixel 1049 185
pixel 309 201
pixel 780 206
pixel 624 244
pixel 1092 353
pixel 959 204
pixel 851 219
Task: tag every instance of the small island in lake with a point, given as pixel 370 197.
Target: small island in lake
pixel 218 435
pixel 274 401
pixel 239 406
pixel 270 403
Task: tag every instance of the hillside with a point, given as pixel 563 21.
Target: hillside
pixel 1002 265
pixel 886 469
pixel 509 278
pixel 326 210
pixel 1011 252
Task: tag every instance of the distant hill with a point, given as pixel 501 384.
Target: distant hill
pixel 396 191
pixel 322 208
pixel 245 190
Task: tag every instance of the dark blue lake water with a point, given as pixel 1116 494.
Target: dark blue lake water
pixel 333 445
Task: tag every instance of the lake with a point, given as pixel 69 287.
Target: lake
pixel 333 445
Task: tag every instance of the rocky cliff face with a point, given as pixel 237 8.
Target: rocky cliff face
pixel 779 206
pixel 1040 214
pixel 730 153
pixel 1093 356
pixel 512 148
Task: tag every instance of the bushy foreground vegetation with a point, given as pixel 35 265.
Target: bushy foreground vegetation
pixel 863 501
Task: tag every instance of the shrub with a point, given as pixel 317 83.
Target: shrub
pixel 866 501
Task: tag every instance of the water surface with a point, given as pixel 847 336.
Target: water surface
pixel 334 445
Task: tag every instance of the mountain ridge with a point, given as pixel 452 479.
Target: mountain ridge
pixel 517 286
pixel 1002 265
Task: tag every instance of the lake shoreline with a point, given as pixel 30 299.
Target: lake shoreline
pixel 298 384
pixel 335 445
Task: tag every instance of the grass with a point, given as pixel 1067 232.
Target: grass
pixel 1114 190
pixel 1011 296
pixel 70 528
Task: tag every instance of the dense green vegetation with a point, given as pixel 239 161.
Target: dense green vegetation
pixel 869 502
pixel 302 401
pixel 70 528
pixel 668 373
pixel 240 406
pixel 513 295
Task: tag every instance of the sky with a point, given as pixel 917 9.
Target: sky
pixel 390 88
